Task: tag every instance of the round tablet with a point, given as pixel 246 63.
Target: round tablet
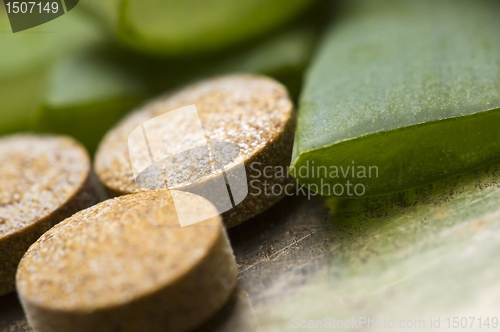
pixel 44 179
pixel 127 264
pixel 242 120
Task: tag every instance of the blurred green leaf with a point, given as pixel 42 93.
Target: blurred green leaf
pixel 191 27
pixel 25 58
pixel 86 95
pixel 283 57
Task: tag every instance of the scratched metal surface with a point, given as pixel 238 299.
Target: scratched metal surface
pixel 428 252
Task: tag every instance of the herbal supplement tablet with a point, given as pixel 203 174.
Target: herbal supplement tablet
pixel 246 120
pixel 126 264
pixel 44 179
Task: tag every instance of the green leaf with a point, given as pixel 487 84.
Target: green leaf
pixel 426 252
pixel 16 109
pixel 410 88
pixel 25 58
pixel 284 57
pixel 87 94
pixel 176 28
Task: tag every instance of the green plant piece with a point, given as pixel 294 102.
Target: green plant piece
pixel 24 61
pixel 16 110
pixel 409 88
pixel 188 27
pixel 87 94
pixel 284 57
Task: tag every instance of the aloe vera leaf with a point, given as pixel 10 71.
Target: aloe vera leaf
pixel 16 110
pixel 176 28
pixel 86 95
pixel 283 57
pixel 409 87
pixel 426 252
pixel 24 61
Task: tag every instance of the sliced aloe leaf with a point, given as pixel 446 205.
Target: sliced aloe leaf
pixel 409 88
pixel 25 58
pixel 186 27
pixel 425 253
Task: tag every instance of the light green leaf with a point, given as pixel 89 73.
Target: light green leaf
pixel 427 252
pixel 188 27
pixel 25 58
pixel 87 94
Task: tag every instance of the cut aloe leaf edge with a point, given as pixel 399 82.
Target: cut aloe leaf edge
pixel 410 89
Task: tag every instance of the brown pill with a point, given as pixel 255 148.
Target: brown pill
pixel 247 122
pixel 43 180
pixel 126 264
